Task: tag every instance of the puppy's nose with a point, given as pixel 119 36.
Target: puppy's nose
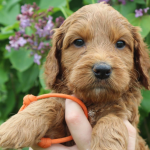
pixel 102 70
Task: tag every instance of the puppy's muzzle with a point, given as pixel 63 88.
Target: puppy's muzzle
pixel 102 70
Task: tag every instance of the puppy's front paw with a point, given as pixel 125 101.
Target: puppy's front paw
pixel 16 133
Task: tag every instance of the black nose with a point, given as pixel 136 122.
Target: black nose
pixel 102 70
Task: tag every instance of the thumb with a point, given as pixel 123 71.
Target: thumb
pixel 132 135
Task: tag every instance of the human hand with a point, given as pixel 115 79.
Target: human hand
pixel 80 127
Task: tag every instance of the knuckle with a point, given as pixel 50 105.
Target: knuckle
pixel 73 118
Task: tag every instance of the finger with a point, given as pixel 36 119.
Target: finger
pixel 78 124
pixel 132 135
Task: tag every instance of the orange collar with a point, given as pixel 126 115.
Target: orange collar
pixel 46 142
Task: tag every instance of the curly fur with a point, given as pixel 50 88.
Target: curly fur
pixel 68 70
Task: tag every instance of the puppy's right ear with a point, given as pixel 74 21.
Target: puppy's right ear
pixel 52 65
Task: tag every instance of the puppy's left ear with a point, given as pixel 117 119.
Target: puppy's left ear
pixel 53 65
pixel 141 58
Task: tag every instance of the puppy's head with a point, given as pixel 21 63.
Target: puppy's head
pixel 97 54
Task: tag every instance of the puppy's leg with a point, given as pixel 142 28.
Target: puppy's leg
pixel 30 125
pixel 110 133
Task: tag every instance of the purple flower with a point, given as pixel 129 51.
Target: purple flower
pixel 24 21
pixel 27 9
pixel 122 1
pixel 59 21
pixel 138 13
pixel 8 48
pixel 16 42
pixel 47 28
pixel 49 24
pixel 21 41
pixel 37 59
pixel 106 1
pixel 22 30
pixel 146 9
pixel 41 46
pixel 40 31
pixel 29 40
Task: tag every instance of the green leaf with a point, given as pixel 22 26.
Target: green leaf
pixel 147 40
pixel 86 2
pixel 32 1
pixel 41 77
pixel 9 103
pixel 145 104
pixel 21 59
pixel 139 1
pixel 145 25
pixel 136 22
pixel 117 7
pixel 142 22
pixel 3 92
pixel 28 77
pixel 52 3
pixel 3 75
pixel 6 35
pixel 43 91
pixel 128 8
pixel 10 27
pixel 29 31
pixel 8 17
pixel 10 4
pixel 131 17
pixel 67 11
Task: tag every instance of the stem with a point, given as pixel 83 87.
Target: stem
pixel 93 1
pixel 67 4
pixel 63 11
pixel 147 3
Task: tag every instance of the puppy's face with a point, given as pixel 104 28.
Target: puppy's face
pixel 97 53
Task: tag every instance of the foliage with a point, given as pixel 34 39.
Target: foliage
pixel 19 75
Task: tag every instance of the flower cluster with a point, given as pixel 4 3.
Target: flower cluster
pixel 41 25
pixel 140 12
pixel 107 1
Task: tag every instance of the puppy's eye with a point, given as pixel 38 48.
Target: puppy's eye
pixel 79 43
pixel 120 44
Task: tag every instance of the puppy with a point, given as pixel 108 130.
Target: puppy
pixel 100 57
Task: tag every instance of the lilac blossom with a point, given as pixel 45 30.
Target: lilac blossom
pixel 46 29
pixel 29 40
pixel 29 17
pixel 16 42
pixel 59 21
pixel 122 1
pixel 37 59
pixel 49 24
pixel 27 9
pixel 41 46
pixel 138 13
pixel 146 9
pixel 106 1
pixel 8 48
pixel 24 21
pixel 21 41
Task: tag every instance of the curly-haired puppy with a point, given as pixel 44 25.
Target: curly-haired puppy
pixel 100 57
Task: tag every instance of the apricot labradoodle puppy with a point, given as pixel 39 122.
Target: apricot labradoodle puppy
pixel 100 57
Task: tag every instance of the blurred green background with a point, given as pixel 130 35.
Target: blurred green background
pixel 20 75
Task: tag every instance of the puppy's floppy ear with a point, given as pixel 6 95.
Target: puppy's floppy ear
pixel 141 58
pixel 52 65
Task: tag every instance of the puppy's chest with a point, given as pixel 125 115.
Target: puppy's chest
pixel 95 112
